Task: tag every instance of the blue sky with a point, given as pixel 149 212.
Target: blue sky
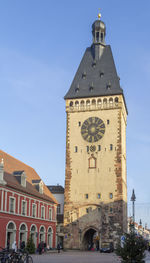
pixel 41 46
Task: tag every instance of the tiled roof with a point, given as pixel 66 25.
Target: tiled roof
pixel 30 189
pixel 11 164
pixel 56 189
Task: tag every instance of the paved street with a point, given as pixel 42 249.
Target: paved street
pixel 76 257
pixel 79 257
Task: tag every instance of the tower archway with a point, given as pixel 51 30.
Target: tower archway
pixel 90 240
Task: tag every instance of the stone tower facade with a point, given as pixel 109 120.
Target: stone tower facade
pixel 95 208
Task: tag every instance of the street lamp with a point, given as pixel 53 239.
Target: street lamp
pixel 133 198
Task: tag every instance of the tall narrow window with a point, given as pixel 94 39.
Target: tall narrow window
pixel 99 196
pixel 111 147
pixel 58 209
pixel 50 214
pixel 87 147
pixel 97 36
pixel 111 196
pixel 79 123
pixel 76 149
pixel 42 212
pixel 108 121
pixel 92 162
pixel 99 148
pixel 24 205
pixel 86 196
pixel 12 205
pixel 34 210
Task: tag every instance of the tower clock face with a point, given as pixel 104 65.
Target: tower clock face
pixel 92 129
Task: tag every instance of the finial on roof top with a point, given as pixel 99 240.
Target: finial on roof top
pixel 99 14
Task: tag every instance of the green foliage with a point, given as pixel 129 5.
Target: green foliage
pixel 132 249
pixel 30 246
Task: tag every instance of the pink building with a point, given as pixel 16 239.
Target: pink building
pixel 27 207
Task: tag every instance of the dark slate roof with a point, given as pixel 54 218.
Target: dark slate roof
pixel 56 189
pixel 108 84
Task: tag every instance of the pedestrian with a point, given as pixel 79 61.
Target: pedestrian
pixel 22 245
pixel 40 248
pixel 14 246
pixel 58 247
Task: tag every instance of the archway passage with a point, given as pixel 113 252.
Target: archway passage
pixel 91 240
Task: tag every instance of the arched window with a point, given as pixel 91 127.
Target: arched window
pixel 23 227
pixel 93 102
pixel 50 237
pixel 71 103
pixel 11 226
pixel 33 228
pixel 49 230
pixel 82 103
pixel 111 100
pixel 76 103
pixel 88 102
pixel 42 229
pixel 105 103
pixel 116 99
pixel 92 162
pixel 99 102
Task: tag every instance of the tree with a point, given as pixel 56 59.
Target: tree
pixel 132 249
pixel 30 245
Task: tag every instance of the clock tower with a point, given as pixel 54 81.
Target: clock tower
pixel 95 208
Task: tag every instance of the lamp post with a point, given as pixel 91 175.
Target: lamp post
pixel 133 198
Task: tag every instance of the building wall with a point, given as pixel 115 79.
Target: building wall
pixel 60 199
pixel 109 176
pixel 17 218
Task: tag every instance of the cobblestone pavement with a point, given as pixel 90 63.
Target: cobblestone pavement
pixel 76 257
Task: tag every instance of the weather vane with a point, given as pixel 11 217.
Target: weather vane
pixel 99 14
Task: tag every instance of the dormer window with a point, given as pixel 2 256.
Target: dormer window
pixel 21 177
pixel 101 74
pixel 91 88
pixel 109 86
pixel 76 90
pixel 94 64
pixel 84 75
pixel 38 185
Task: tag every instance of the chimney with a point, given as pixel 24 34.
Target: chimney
pixel 2 181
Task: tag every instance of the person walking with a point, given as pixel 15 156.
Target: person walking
pixel 58 247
